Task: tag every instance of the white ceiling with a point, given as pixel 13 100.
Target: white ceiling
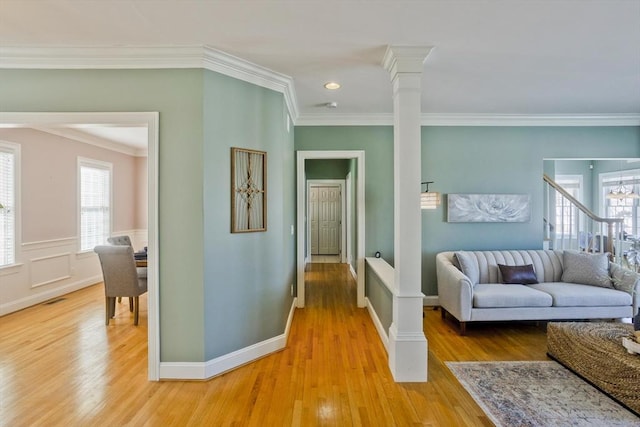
pixel 528 57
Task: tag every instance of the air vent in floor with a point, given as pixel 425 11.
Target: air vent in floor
pixel 53 301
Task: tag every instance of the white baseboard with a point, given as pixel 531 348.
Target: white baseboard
pixel 376 321
pixel 227 362
pixel 431 300
pixel 47 295
pixel 353 272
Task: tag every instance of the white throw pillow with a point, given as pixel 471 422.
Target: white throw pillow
pixel 469 266
pixel 585 268
pixel 624 279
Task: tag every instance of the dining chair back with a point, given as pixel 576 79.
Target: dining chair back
pixel 120 277
pixel 119 240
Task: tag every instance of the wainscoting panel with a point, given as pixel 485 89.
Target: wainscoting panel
pixel 50 269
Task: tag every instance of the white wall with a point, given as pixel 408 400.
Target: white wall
pixel 47 260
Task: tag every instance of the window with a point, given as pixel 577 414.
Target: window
pixel 9 165
pixel 565 213
pixel 625 207
pixel 95 203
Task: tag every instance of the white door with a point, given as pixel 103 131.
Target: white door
pixel 328 220
pixel 313 219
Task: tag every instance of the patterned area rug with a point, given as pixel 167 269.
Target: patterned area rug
pixel 538 394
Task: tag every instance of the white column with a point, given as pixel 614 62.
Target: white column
pixel 407 342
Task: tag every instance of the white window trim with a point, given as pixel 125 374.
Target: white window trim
pixel 573 177
pixel 16 150
pixel 84 161
pixel 570 177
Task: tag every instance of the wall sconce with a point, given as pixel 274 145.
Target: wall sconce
pixel 429 199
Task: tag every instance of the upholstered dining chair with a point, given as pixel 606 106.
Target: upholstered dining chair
pixel 126 241
pixel 120 278
pixel 119 240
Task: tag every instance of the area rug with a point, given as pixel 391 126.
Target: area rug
pixel 538 394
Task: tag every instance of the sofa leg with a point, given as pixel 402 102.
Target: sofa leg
pixel 463 328
pixel 443 313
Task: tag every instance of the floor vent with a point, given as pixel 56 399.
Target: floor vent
pixel 53 301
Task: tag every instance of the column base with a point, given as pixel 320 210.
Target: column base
pixel 407 356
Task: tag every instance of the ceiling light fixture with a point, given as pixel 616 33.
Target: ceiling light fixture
pixel 621 192
pixel 332 85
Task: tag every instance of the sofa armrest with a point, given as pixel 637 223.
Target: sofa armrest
pixel 455 291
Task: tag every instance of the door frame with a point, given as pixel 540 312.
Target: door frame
pixel 344 226
pixel 301 217
pixel 151 120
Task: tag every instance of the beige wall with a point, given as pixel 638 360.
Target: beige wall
pixel 49 185
pixel 47 260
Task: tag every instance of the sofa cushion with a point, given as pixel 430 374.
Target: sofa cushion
pixel 585 268
pixel 518 274
pixel 482 266
pixel 624 279
pixel 575 295
pixel 496 295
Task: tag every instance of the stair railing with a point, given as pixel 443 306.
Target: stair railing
pixel 579 228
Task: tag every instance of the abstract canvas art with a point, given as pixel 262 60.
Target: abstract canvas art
pixel 248 190
pixel 488 208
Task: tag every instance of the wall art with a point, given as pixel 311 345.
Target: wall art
pixel 248 190
pixel 488 208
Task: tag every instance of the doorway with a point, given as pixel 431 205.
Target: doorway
pixel 151 121
pixel 302 222
pixel 328 228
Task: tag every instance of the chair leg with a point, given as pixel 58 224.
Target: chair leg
pixel 131 304
pixel 110 308
pixel 136 305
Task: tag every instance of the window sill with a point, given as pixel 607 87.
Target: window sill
pixel 85 254
pixel 6 270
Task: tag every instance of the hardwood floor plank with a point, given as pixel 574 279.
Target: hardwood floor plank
pixel 61 366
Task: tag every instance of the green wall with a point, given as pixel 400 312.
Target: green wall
pixel 502 160
pixel 247 275
pixel 177 95
pixel 467 160
pixel 377 143
pixel 218 292
pixel 589 179
pixel 326 168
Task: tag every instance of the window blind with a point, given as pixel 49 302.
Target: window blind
pixel 95 209
pixel 7 210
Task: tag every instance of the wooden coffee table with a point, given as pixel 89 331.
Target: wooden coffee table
pixel 594 351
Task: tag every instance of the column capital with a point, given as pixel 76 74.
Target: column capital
pixel 405 59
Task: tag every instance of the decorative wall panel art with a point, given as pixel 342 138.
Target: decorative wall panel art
pixel 248 190
pixel 488 208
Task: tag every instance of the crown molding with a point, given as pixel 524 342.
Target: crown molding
pixel 154 57
pixel 101 57
pixel 319 119
pixel 96 141
pixel 431 119
pixel 232 66
pixel 151 57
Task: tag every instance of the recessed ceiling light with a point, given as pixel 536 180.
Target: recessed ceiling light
pixel 332 85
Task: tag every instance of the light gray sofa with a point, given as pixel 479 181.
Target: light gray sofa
pixel 572 285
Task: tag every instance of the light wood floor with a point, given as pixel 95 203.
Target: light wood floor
pixel 61 366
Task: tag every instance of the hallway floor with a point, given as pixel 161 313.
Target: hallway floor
pixel 60 366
